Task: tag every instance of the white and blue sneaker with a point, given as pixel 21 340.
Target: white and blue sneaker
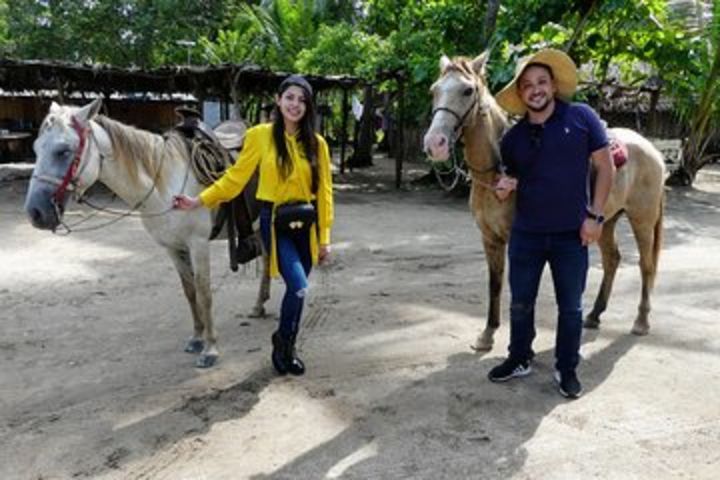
pixel 510 368
pixel 568 384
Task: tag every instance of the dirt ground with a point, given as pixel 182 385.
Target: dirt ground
pixel 95 384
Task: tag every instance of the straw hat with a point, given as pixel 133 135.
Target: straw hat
pixel 564 71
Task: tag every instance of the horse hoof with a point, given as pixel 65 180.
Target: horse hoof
pixel 257 312
pixel 480 348
pixel 483 344
pixel 640 330
pixel 194 345
pixel 205 361
pixel 591 323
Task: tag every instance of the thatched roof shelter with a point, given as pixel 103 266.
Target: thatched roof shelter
pixel 203 81
pixel 228 83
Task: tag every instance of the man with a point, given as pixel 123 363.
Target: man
pixel 548 155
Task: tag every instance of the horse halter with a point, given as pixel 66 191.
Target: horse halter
pixel 72 171
pixel 460 119
pixel 69 180
pixel 497 166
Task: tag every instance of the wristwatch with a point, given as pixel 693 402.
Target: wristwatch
pixel 599 218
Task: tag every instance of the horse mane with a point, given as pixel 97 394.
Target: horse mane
pixel 137 149
pixel 461 65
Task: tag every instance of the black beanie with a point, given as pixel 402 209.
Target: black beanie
pixel 297 80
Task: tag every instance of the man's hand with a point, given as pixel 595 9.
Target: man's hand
pixel 504 187
pixel 184 202
pixel 590 231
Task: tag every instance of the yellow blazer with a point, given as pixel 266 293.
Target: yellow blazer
pixel 259 152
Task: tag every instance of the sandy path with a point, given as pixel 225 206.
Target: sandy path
pixel 95 384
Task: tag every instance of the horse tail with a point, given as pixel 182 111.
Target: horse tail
pixel 658 234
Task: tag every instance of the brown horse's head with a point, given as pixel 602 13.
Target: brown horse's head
pixel 458 96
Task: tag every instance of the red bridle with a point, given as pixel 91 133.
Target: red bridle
pixel 69 177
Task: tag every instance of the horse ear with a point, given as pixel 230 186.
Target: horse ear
pixel 445 62
pixel 54 107
pixel 480 62
pixel 86 113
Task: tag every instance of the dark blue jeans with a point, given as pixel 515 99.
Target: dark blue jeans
pixel 568 258
pixel 295 262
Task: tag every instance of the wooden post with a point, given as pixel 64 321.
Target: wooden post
pixel 60 90
pixel 343 134
pixel 234 113
pixel 400 134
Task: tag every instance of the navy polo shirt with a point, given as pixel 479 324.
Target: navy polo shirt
pixel 552 164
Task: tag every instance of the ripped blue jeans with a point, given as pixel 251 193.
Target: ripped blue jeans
pixel 528 253
pixel 295 262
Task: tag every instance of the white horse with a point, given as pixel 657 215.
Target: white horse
pixel 76 147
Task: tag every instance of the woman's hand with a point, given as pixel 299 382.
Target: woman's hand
pixel 324 254
pixel 184 202
pixel 504 187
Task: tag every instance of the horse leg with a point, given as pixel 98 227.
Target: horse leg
pixel 183 265
pixel 200 256
pixel 648 242
pixel 610 261
pixel 495 254
pixel 258 310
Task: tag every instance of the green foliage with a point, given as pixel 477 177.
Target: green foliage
pixel 119 32
pixel 694 82
pixel 618 40
pixel 423 31
pixel 5 42
pixel 627 36
pixel 690 75
pixel 342 49
pixel 615 40
pixel 271 34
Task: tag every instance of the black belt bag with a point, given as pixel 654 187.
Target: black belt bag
pixel 295 217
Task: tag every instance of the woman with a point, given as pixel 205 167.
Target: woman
pixel 294 167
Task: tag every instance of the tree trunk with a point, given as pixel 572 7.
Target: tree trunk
pixel 491 13
pixel 585 12
pixel 362 156
pixel 413 142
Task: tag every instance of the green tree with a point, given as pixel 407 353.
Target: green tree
pixel 342 49
pixel 5 43
pixel 418 33
pixel 272 33
pixel 696 88
pixel 142 33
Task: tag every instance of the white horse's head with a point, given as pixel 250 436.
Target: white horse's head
pixel 66 159
pixel 458 95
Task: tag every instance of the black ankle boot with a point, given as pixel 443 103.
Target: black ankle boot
pixel 295 366
pixel 279 354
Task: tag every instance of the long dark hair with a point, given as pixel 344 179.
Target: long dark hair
pixel 306 131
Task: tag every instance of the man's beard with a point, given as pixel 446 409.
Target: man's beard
pixel 542 107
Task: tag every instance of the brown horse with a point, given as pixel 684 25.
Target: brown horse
pixel 462 103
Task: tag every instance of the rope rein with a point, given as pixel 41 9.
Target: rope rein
pixel 209 161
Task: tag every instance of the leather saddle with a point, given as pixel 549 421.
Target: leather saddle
pixel 211 152
pixel 619 151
